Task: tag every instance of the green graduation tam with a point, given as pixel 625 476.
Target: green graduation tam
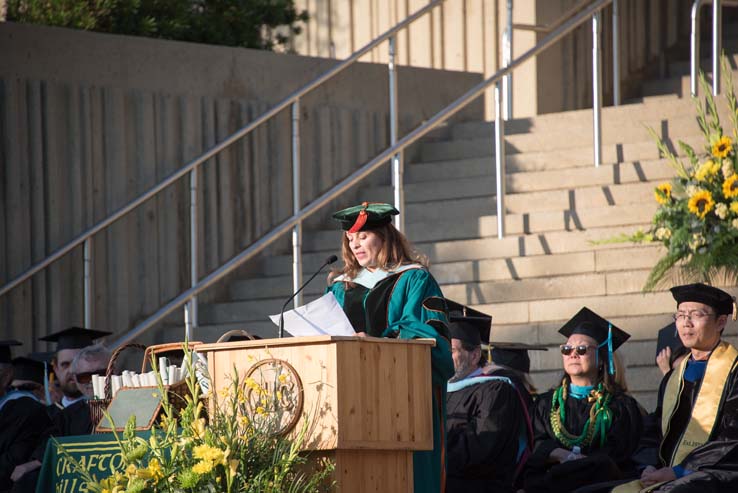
pixel 719 300
pixel 28 369
pixel 465 324
pixel 5 346
pixel 364 217
pixel 609 337
pixel 74 338
pixel 514 354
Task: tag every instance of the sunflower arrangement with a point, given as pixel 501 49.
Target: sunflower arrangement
pixel 697 215
pixel 234 448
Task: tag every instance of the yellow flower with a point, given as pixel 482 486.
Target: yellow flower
pixel 721 210
pixel 697 241
pixel 198 428
pixel 131 470
pixel 707 170
pixel 282 378
pixel 663 234
pixel 663 193
pixel 735 223
pixel 730 187
pixel 260 410
pixel 209 453
pixel 722 147
pixel 155 470
pixel 233 467
pixel 728 169
pixel 734 206
pixel 202 467
pixel 701 203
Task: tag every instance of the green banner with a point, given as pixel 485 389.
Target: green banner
pixel 100 454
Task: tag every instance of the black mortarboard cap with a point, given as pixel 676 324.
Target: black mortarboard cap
pixel 5 346
pixel 28 369
pixel 74 337
pixel 366 216
pixel 719 300
pixel 589 323
pixel 668 337
pixel 466 324
pixel 514 354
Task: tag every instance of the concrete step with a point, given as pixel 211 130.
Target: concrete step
pixel 568 157
pixel 444 226
pixel 683 67
pixel 559 308
pixel 473 272
pixel 478 249
pixel 679 85
pixel 531 192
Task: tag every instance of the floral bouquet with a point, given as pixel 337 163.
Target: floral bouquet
pixel 238 447
pixel 697 216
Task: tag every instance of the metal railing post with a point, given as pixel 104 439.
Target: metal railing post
pixel 188 322
pixel 398 187
pixel 194 251
pixel 597 88
pixel 296 201
pixel 694 47
pixel 507 48
pixel 717 44
pixel 87 259
pixel 500 160
pixel 615 53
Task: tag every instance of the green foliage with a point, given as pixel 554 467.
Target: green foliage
pixel 232 448
pixel 263 24
pixel 697 217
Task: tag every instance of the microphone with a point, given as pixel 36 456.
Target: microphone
pixel 327 261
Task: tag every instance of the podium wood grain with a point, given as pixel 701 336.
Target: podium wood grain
pixel 367 400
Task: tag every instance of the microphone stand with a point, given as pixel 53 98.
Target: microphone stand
pixel 328 261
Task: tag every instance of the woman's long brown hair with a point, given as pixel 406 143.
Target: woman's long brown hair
pixel 396 251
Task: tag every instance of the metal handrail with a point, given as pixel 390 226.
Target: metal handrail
pixel 364 171
pixel 717 42
pixel 192 167
pixel 507 56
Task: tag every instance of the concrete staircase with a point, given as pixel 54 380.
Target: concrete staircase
pixel 557 204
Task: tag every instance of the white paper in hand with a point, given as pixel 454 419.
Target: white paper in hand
pixel 323 316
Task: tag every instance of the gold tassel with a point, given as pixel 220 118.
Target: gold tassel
pixel 735 309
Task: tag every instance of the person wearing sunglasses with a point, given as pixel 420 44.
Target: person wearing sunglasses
pixel 697 407
pixel 585 429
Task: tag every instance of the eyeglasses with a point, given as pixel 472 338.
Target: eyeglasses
pixel 566 349
pixel 86 377
pixel 696 315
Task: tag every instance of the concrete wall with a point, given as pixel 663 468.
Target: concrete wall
pixel 89 121
pixel 466 34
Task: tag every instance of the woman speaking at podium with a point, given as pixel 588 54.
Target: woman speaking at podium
pixel 381 288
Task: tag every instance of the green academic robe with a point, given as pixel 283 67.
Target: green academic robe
pixel 390 304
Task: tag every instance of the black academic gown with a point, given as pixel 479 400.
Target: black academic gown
pixel 607 463
pixel 485 423
pixel 22 423
pixel 715 464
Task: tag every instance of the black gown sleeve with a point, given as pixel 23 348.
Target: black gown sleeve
pixel 543 439
pixel 489 436
pixel 21 423
pixel 625 431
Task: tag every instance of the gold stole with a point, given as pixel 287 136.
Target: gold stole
pixel 704 413
pixel 705 409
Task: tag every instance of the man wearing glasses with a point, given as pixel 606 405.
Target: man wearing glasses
pixel 698 402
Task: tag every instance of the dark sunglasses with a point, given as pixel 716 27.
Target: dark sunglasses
pixel 581 350
pixel 86 377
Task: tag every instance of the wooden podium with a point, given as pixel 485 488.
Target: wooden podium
pixel 368 400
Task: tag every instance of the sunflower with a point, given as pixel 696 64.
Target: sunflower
pixel 663 193
pixel 730 187
pixel 722 147
pixel 734 206
pixel 701 203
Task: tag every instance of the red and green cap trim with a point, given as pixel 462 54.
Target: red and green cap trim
pixel 365 217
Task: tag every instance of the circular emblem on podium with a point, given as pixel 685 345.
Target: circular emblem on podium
pixel 274 394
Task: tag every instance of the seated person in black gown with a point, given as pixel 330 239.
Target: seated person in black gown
pixel 486 415
pixel 23 420
pixel 586 429
pixel 511 359
pixel 697 407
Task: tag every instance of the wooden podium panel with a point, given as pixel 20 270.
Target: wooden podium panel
pixel 368 400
